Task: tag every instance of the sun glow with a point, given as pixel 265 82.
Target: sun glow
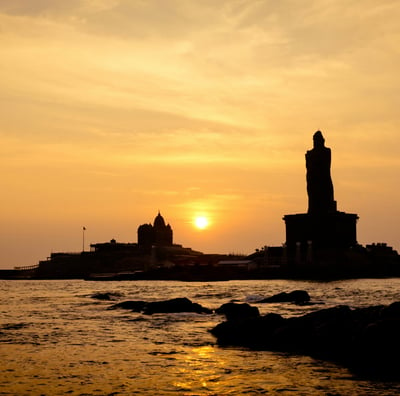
pixel 201 222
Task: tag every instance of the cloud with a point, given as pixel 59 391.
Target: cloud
pixel 222 73
pixel 256 65
pixel 38 7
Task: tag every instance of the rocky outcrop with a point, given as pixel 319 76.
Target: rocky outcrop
pixel 365 339
pixel 233 311
pixel 174 305
pixel 296 296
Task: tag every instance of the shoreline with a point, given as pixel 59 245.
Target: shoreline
pixel 213 274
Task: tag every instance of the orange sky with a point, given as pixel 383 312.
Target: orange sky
pixel 114 109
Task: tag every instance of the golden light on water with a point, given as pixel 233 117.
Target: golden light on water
pixel 202 369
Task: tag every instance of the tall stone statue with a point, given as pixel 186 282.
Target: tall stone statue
pixel 319 182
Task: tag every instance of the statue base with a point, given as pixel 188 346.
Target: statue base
pixel 328 230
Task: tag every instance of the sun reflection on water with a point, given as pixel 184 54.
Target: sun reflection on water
pixel 209 370
pixel 201 369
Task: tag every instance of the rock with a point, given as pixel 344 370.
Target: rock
pixel 391 311
pixel 296 296
pixel 174 305
pixel 233 311
pixel 250 332
pixel 167 306
pixel 377 349
pixel 365 339
pixel 109 296
pixel 136 306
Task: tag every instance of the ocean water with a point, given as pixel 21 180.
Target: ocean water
pixel 55 339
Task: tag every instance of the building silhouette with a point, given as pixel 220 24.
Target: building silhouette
pixel 158 234
pixel 323 227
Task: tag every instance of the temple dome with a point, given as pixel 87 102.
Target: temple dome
pixel 159 221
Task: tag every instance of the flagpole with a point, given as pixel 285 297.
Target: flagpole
pixel 83 238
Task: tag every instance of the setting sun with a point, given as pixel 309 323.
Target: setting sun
pixel 201 222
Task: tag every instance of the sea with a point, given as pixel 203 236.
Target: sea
pixel 57 339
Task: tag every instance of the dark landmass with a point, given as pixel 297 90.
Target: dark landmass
pixel 206 273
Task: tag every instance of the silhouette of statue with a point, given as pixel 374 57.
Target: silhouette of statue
pixel 319 182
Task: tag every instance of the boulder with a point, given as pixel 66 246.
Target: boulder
pixel 233 311
pixel 174 305
pixel 251 332
pixel 296 296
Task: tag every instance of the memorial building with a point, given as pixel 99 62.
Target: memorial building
pixel 323 226
pixel 159 234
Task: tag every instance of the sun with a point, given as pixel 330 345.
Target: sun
pixel 201 222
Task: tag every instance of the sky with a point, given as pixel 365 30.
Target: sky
pixel 113 110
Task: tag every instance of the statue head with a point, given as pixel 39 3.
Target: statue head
pixel 319 140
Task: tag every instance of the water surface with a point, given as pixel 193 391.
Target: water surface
pixel 55 339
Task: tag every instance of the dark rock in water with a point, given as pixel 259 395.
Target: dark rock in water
pixel 391 311
pixel 109 296
pixel 174 305
pixel 167 306
pixel 249 332
pixel 365 339
pixel 136 306
pixel 296 296
pixel 234 311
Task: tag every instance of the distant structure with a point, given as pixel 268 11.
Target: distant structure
pixel 323 226
pixel 158 234
pixel 117 260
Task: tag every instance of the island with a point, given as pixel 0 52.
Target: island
pixel 320 244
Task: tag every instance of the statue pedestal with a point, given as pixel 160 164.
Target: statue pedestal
pixel 330 230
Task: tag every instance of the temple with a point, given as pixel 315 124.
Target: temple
pixel 158 234
pixel 323 226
